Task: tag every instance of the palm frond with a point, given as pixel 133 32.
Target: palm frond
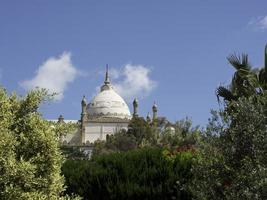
pixel 225 93
pixel 239 62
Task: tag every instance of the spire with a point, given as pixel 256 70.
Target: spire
pixel 107 85
pixel 107 76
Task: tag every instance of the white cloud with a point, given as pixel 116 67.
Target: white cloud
pixel 54 74
pixel 263 23
pixel 259 23
pixel 132 81
pixel 114 73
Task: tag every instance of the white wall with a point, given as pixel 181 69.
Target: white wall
pixel 73 138
pixel 95 131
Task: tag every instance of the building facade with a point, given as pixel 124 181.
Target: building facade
pixel 106 114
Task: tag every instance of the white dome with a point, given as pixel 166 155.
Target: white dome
pixel 170 129
pixel 108 104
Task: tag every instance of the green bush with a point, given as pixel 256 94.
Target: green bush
pixel 139 174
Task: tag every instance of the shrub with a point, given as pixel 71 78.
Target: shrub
pixel 138 174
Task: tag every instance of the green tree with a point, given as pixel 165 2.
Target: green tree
pixel 184 134
pixel 140 133
pixel 121 141
pixel 144 132
pixel 30 160
pixel 232 162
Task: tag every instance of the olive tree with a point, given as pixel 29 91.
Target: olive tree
pixel 232 163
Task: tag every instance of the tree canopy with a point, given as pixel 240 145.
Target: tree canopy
pixel 30 160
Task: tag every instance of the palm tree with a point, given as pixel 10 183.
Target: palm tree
pixel 246 81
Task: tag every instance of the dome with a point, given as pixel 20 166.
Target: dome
pixel 108 103
pixel 170 129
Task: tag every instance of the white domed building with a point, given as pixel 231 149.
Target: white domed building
pixel 106 114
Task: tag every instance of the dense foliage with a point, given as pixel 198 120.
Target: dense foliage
pixel 147 173
pixel 184 134
pixel 142 134
pixel 121 141
pixel 233 162
pixel 30 160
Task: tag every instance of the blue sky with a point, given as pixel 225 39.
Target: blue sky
pixel 178 47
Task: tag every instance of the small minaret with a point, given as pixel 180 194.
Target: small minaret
pixel 60 119
pixel 155 111
pixel 148 118
pixel 83 119
pixel 135 107
pixel 83 104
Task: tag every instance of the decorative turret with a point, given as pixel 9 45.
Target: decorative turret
pixel 83 119
pixel 135 106
pixel 83 103
pixel 60 119
pixel 148 117
pixel 155 111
